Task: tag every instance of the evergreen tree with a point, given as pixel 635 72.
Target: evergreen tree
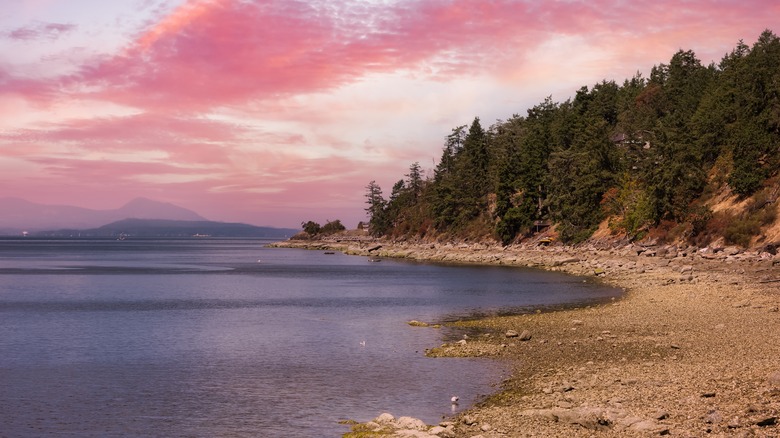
pixel 377 219
pixel 414 180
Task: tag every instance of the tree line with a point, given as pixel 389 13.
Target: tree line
pixel 645 154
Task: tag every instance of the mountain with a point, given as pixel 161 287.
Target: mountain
pixel 142 208
pixel 17 215
pixel 130 228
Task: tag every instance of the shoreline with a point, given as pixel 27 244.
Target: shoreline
pixel 691 349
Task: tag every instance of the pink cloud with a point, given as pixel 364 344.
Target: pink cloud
pixel 39 31
pixel 224 52
pixel 195 143
pixel 229 52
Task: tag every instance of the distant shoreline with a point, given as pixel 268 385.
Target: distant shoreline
pixel 690 349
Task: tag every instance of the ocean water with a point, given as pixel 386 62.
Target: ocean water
pixel 208 337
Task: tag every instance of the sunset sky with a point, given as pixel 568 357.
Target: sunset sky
pixel 275 112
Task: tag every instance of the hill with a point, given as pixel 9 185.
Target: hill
pixel 689 155
pixel 128 228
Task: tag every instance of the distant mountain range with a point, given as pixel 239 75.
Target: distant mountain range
pixel 131 228
pixel 140 217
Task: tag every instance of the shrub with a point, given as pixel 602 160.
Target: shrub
pixel 741 231
pixel 311 228
pixel 332 227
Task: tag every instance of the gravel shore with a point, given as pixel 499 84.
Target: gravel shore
pixel 692 350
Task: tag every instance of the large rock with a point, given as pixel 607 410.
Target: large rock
pixel 410 423
pixel 385 419
pixel 441 432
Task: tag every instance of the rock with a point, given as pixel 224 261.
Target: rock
pixel 649 426
pixel 441 432
pixel 713 417
pixel 511 334
pixel 566 388
pixel 661 415
pixel 565 261
pixel 486 428
pixel 686 269
pixel 774 380
pixel 411 433
pixel 525 336
pixel 589 418
pixel 410 423
pixel 468 420
pixel 385 419
pixel 769 421
pixel 461 342
pixel 415 323
pixel 374 427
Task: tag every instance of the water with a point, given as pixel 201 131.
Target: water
pixel 204 338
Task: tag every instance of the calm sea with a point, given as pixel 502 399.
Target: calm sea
pixel 207 338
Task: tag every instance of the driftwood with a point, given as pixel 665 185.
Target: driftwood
pixel 374 248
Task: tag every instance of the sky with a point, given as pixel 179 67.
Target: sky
pixel 276 112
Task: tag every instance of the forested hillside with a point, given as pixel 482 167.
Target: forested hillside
pixel 689 153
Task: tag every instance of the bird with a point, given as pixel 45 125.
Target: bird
pixel 454 399
pixel 362 343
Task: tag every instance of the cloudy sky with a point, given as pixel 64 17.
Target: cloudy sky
pixel 273 112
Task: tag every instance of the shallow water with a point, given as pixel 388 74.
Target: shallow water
pixel 207 337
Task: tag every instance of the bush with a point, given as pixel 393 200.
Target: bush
pixel 311 228
pixel 332 227
pixel 741 231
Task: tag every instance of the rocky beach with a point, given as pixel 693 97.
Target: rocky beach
pixel 691 350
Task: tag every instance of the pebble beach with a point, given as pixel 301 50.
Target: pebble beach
pixel 692 349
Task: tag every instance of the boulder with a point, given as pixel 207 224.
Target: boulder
pixel 410 423
pixel 385 419
pixel 441 432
